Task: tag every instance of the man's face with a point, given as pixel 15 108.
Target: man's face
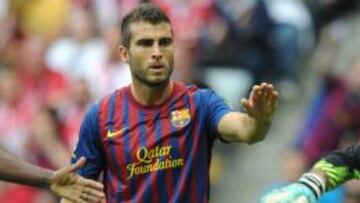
pixel 151 53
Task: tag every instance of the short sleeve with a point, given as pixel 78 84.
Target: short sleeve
pixel 89 145
pixel 216 108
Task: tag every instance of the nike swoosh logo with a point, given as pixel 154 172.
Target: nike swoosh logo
pixel 116 133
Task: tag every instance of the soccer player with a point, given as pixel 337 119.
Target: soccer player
pixel 153 138
pixel 328 173
pixel 63 182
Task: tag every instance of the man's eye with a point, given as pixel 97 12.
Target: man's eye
pixel 165 42
pixel 145 43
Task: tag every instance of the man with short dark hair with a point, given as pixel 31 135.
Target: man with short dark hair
pixel 153 138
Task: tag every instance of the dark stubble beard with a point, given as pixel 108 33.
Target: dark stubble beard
pixel 152 84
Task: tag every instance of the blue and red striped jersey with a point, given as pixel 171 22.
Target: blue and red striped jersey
pixel 152 153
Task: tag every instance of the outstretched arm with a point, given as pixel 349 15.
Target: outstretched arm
pixel 63 182
pixel 15 170
pixel 253 125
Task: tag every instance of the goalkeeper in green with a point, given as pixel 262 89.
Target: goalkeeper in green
pixel 328 173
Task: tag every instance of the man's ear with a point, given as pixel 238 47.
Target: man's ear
pixel 124 53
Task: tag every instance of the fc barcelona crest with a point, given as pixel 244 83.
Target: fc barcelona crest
pixel 180 118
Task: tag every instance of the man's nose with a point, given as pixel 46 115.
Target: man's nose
pixel 156 54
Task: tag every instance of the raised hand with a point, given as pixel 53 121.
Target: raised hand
pixel 67 184
pixel 293 193
pixel 262 101
pixel 261 105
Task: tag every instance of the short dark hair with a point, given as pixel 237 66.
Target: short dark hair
pixel 146 12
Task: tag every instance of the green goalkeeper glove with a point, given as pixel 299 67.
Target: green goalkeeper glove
pixel 308 189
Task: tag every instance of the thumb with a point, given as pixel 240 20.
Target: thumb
pixel 76 166
pixel 246 104
pixel 64 175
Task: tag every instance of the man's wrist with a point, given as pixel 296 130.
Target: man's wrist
pixel 47 179
pixel 262 125
pixel 314 182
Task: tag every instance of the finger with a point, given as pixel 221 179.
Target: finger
pixel 274 99
pixel 270 86
pixel 75 199
pixel 268 89
pixel 257 95
pixel 79 164
pixel 264 84
pixel 94 192
pixel 246 105
pixel 92 184
pixel 258 89
pixel 80 200
pixel 90 198
pixel 70 198
pixel 260 96
pixel 272 96
pixel 269 97
pixel 254 91
pixel 265 89
pixel 260 92
pixel 265 93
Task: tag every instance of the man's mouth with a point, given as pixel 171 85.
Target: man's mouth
pixel 156 66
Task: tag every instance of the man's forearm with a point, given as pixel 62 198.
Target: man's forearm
pixel 240 127
pixel 13 169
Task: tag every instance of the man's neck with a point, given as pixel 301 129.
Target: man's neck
pixel 151 96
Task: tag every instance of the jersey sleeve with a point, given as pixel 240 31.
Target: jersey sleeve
pixel 216 108
pixel 340 166
pixel 89 145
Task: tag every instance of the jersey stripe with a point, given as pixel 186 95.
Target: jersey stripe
pixel 113 157
pixel 127 151
pixel 203 177
pixel 192 153
pixel 144 192
pixel 169 174
pixel 103 117
pixel 193 138
pixel 181 142
pixel 160 182
pixel 153 142
pixel 134 143
pixel 119 143
pixel 175 172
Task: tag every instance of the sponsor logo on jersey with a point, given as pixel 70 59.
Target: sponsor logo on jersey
pixel 154 159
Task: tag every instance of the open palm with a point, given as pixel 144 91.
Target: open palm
pixel 262 101
pixel 67 184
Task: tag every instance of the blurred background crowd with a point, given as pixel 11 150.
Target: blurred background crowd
pixel 59 56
